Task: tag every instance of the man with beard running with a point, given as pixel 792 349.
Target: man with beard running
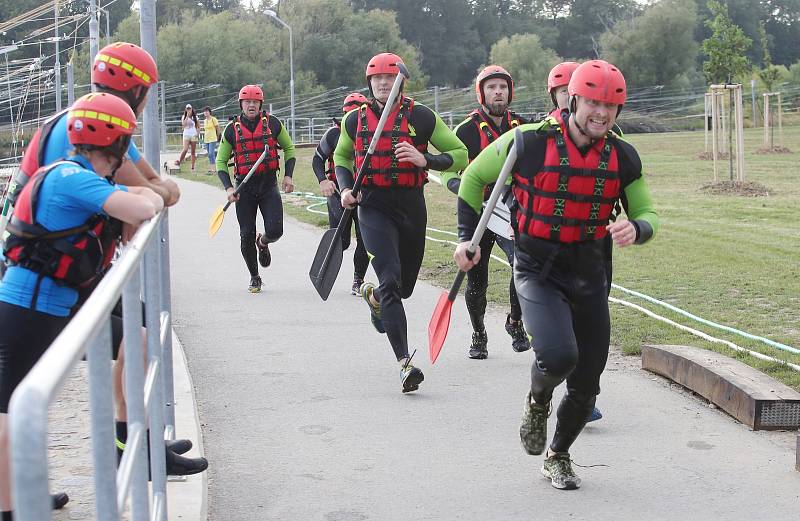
pixel 391 203
pixel 246 137
pixel 495 90
pixel 325 170
pixel 566 184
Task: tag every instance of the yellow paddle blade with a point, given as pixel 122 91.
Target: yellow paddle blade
pixel 215 223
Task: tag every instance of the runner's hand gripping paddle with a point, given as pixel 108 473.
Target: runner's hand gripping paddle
pixel 440 321
pixel 215 223
pixel 328 259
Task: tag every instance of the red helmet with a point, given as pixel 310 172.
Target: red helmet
pixel 560 75
pixel 493 71
pixel 600 81
pixel 122 66
pixel 251 92
pixel 383 63
pixel 99 119
pixel 352 100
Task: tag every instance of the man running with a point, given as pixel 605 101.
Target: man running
pixel 566 185
pixel 495 90
pixel 391 211
pixel 246 137
pixel 324 169
pixel 557 87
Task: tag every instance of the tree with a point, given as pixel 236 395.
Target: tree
pixel 526 59
pixel 770 73
pixel 725 48
pixel 579 33
pixel 782 23
pixel 657 47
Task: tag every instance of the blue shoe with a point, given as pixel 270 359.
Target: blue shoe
pixel 374 311
pixel 594 415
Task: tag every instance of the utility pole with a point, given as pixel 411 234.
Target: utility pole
pixel 57 70
pixel 70 84
pixel 163 85
pixel 94 31
pixel 5 50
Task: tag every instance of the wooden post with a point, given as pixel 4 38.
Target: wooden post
pixel 706 115
pixel 723 124
pixel 714 136
pixel 740 135
pixel 766 119
pixel 780 121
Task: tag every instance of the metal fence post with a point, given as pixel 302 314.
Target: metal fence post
pixel 103 448
pixel 166 307
pixel 134 383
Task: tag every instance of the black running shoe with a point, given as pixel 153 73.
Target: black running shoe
pixel 59 500
pixel 183 466
pixel 477 350
pixel 519 338
pixel 264 257
pixel 179 446
pixel 255 284
pixel 410 377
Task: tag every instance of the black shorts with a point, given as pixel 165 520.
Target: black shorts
pixel 24 336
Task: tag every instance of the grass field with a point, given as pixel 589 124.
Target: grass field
pixel 731 259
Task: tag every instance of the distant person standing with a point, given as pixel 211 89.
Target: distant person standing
pixel 189 124
pixel 211 136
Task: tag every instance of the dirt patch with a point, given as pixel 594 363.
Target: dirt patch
pixel 773 150
pixel 746 188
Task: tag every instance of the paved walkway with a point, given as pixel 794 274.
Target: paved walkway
pixel 303 418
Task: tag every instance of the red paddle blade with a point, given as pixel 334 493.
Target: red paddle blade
pixel 438 326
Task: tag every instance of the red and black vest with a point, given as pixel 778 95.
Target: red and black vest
pixel 488 135
pixel 34 156
pixel 384 170
pixel 486 130
pixel 72 257
pixel 250 145
pixel 572 197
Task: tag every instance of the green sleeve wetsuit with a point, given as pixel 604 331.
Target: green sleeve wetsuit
pixel 229 139
pixel 486 168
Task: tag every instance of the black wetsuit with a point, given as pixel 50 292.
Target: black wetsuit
pixel 324 152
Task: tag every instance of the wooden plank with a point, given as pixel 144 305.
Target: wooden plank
pixel 747 394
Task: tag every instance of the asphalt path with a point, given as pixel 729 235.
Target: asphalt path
pixel 303 418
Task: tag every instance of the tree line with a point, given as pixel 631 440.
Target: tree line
pixel 673 43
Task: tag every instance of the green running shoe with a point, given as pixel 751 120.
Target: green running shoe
pixel 533 431
pixel 374 311
pixel 255 284
pixel 410 377
pixel 558 468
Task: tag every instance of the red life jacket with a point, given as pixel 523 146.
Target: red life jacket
pixel 34 156
pixel 72 257
pixel 572 197
pixel 250 145
pixel 488 135
pixel 486 130
pixel 384 170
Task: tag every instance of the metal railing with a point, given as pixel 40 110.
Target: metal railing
pixel 141 273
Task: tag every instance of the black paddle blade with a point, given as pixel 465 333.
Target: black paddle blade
pixel 327 262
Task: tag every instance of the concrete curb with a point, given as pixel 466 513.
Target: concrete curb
pixel 186 495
